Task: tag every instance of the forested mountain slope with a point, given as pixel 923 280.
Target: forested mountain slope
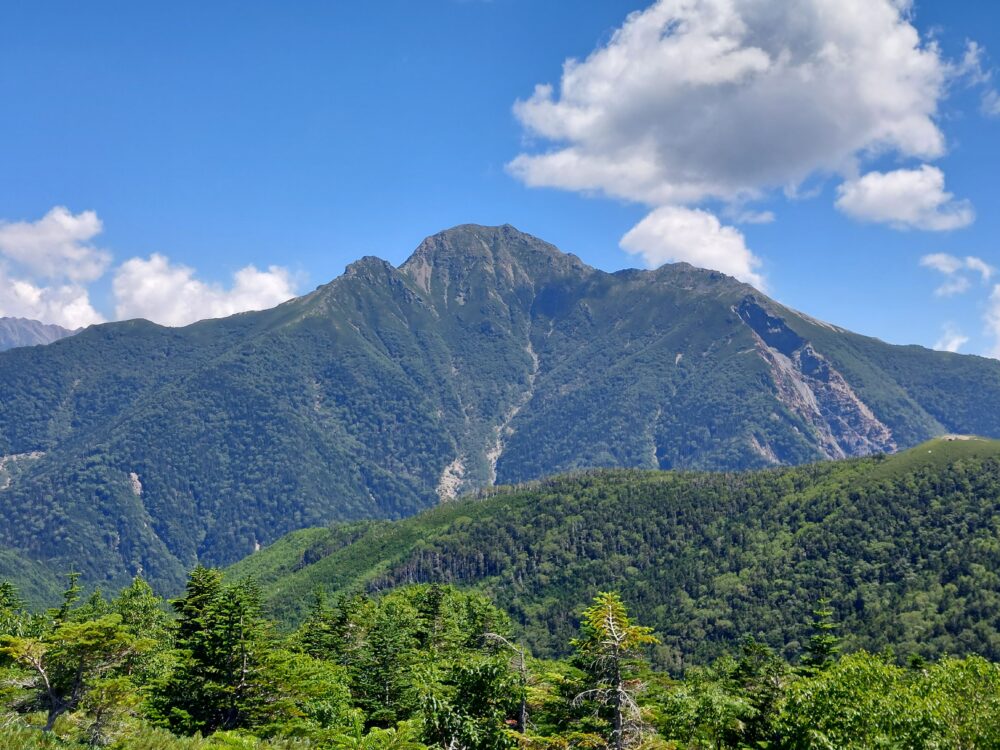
pixel 489 356
pixel 906 547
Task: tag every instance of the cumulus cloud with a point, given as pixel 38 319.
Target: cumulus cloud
pixel 57 246
pixel 47 265
pixel 696 101
pixel 673 233
pixel 67 305
pixel 167 293
pixel 956 271
pixel 905 199
pixel 951 339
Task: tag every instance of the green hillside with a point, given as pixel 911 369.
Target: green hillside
pixel 906 547
pixel 488 357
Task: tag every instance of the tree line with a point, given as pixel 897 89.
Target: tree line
pixel 433 666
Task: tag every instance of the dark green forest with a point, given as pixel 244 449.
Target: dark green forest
pixel 133 447
pixel 432 666
pixel 907 547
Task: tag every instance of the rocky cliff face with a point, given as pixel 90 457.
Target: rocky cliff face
pixel 809 386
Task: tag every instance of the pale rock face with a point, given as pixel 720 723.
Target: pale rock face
pixel 810 387
pixel 451 480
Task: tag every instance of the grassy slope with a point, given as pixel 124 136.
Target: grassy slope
pixel 905 544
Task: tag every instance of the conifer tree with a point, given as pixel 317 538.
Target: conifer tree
pixel 610 650
pixel 821 651
pixel 70 660
pixel 224 648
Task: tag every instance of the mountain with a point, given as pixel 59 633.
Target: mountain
pixel 23 332
pixel 488 356
pixel 904 546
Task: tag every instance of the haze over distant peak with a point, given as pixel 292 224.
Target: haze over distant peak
pixel 16 332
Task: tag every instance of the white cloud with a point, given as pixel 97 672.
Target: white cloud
pixel 57 246
pixel 990 103
pixel 47 265
pixel 693 101
pixel 673 233
pixel 953 286
pixel 956 271
pixel 169 294
pixel 980 266
pixel 951 339
pixel 699 99
pixel 971 67
pixel 946 264
pixel 905 199
pixel 67 305
pixel 993 320
pixel 748 216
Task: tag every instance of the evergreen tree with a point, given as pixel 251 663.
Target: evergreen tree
pixel 203 587
pixel 824 644
pixel 610 650
pixel 383 678
pixel 68 661
pixel 482 698
pixel 224 651
pixel 69 599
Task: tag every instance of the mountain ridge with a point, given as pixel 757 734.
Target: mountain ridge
pixel 16 332
pixel 488 356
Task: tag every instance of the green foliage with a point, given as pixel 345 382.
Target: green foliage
pixel 13 617
pixel 224 678
pixel 610 652
pixel 73 665
pixel 473 706
pixel 823 643
pixel 905 547
pixel 451 679
pixel 412 648
pixel 735 702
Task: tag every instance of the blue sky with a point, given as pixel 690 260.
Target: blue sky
pixel 296 137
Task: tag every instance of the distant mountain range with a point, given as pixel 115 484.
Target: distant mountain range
pixel 488 356
pixel 23 332
pixel 904 547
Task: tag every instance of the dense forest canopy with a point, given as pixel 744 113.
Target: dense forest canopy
pixel 904 546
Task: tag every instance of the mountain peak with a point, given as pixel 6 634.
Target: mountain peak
pixel 504 251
